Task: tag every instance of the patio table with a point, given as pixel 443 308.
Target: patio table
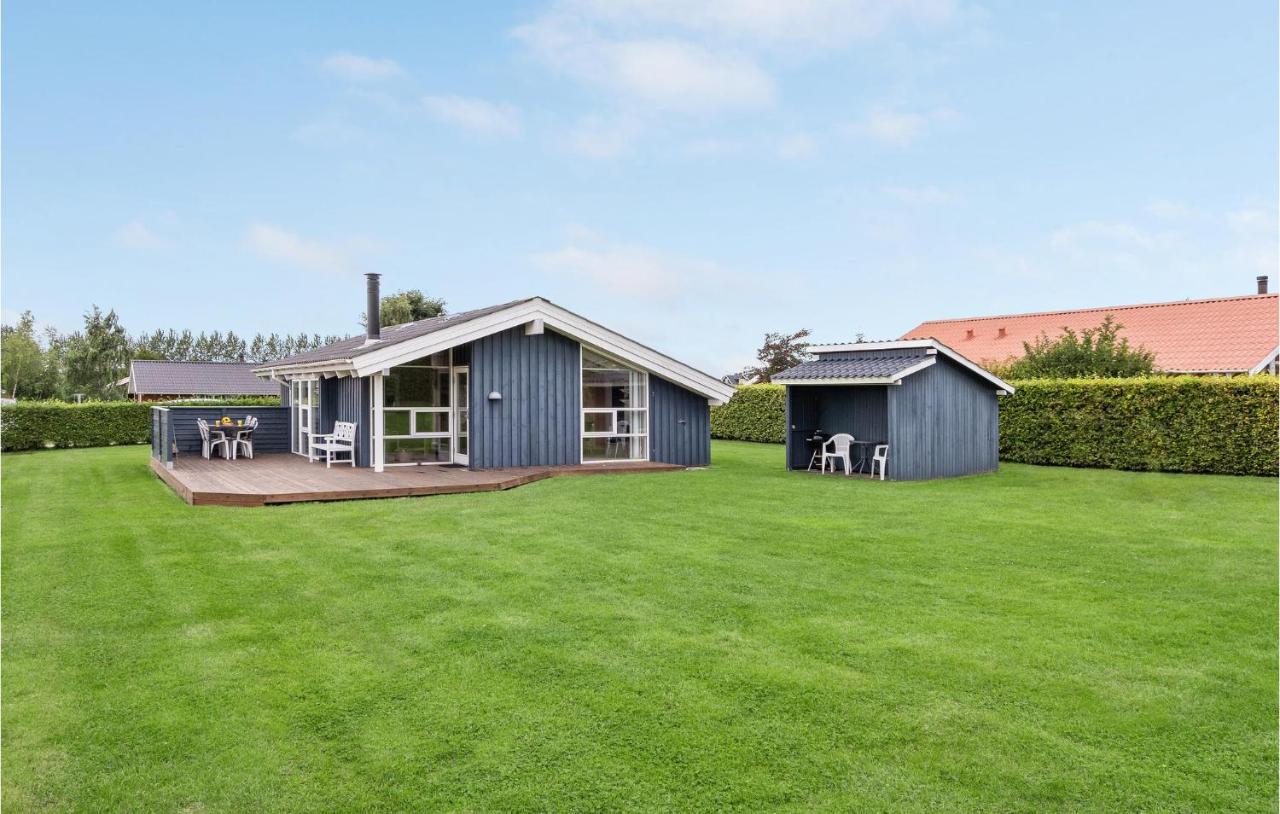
pixel 862 452
pixel 230 431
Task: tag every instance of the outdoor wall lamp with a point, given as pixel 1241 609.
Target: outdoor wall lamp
pixel 494 395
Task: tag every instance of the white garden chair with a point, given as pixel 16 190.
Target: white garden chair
pixel 837 449
pixel 244 437
pixel 880 456
pixel 342 439
pixel 211 439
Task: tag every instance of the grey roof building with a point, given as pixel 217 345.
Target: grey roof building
pixel 151 380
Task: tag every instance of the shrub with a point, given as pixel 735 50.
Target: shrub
pixel 42 424
pixel 756 412
pixel 1184 424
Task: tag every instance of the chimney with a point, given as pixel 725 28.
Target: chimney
pixel 373 310
pixel 1262 284
pixel 1000 334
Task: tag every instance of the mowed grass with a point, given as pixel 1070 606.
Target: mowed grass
pixel 732 638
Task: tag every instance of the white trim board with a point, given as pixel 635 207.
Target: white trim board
pixel 363 362
pixel 1266 360
pixel 1002 387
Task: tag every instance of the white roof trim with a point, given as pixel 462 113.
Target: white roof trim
pixel 1001 384
pixel 377 358
pixel 1266 360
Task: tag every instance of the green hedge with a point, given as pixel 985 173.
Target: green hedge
pixel 1185 424
pixel 43 424
pixel 756 412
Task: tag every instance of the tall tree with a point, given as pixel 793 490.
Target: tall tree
pixel 408 306
pixel 1093 353
pixel 21 358
pixel 779 352
pixel 97 357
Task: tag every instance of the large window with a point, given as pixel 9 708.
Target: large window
pixel 415 412
pixel 615 410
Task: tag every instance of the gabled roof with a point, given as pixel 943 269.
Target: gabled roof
pixel 161 378
pixel 400 344
pixel 879 363
pixel 1224 335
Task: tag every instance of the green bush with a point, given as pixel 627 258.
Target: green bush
pixel 756 412
pixel 43 424
pixel 1156 423
pixel 1185 424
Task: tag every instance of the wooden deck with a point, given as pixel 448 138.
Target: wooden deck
pixel 279 478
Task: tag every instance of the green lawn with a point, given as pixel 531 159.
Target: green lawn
pixel 733 638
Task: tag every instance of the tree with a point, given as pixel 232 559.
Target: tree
pixel 1093 353
pixel 407 306
pixel 97 357
pixel 21 359
pixel 779 352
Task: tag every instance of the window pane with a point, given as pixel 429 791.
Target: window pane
pixel 417 450
pixel 416 387
pixel 395 422
pixel 635 422
pixel 612 449
pixel 430 422
pixel 597 422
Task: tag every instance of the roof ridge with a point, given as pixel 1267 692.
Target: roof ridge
pixel 1102 308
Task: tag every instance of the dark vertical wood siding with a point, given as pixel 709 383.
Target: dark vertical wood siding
pixel 679 425
pixel 943 422
pixel 347 399
pixel 537 422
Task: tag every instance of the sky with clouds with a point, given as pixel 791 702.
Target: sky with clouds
pixel 691 174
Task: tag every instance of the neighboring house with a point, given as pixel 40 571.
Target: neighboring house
pixel 153 380
pixel 1229 335
pixel 937 411
pixel 526 383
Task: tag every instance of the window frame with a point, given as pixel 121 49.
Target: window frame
pixel 637 375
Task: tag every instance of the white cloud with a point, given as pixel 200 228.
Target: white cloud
pixel 598 137
pixel 1252 220
pixel 897 127
pixel 928 195
pixel 661 72
pixel 1169 210
pixel 138 236
pixel 280 245
pixel 797 146
pixel 477 115
pixel 356 68
pixel 1097 233
pixel 622 269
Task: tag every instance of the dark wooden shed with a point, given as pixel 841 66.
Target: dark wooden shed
pixel 937 411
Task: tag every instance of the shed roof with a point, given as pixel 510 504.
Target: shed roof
pixel 869 366
pixel 163 378
pixel 879 363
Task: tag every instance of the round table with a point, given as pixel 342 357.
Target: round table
pixel 230 431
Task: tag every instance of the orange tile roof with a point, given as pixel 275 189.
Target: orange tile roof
pixel 1228 334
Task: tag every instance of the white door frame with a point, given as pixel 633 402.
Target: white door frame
pixel 461 397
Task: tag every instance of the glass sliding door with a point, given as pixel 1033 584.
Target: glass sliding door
pixel 416 412
pixel 461 414
pixel 615 410
pixel 304 401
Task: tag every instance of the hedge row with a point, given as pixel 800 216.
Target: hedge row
pixel 1185 424
pixel 755 413
pixel 43 424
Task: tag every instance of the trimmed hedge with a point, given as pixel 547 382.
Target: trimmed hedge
pixel 757 412
pixel 1187 424
pixel 1220 425
pixel 44 424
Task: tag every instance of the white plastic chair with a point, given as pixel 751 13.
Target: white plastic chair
pixel 840 444
pixel 208 442
pixel 342 439
pixel 880 456
pixel 244 437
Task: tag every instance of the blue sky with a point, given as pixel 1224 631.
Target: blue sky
pixel 690 174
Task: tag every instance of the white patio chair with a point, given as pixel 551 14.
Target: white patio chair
pixel 342 439
pixel 244 437
pixel 210 439
pixel 839 444
pixel 880 456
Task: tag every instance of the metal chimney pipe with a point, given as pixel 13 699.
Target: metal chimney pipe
pixel 1262 284
pixel 373 309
